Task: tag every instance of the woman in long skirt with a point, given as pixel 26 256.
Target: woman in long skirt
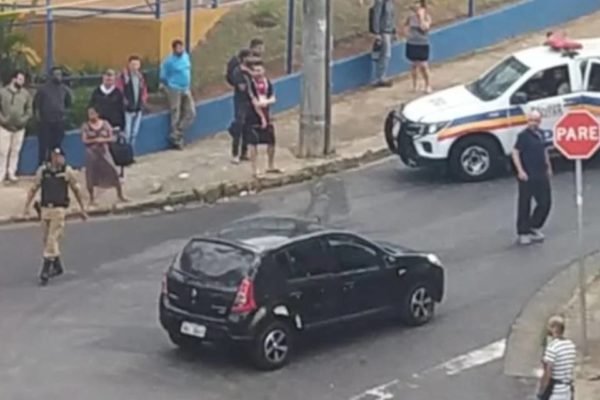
pixel 100 170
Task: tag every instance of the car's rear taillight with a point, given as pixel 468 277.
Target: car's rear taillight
pixel 163 287
pixel 244 299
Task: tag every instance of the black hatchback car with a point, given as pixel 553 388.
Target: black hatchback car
pixel 262 281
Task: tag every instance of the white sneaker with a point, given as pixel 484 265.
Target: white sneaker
pixel 537 236
pixel 524 240
pixel 235 160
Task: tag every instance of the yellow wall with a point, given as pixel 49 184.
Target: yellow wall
pixel 109 41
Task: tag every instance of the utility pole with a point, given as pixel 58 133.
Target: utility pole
pixel 49 37
pixel 328 145
pixel 313 106
pixel 189 11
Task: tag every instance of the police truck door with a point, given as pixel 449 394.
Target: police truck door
pixel 592 86
pixel 551 92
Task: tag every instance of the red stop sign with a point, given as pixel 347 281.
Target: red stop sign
pixel 577 135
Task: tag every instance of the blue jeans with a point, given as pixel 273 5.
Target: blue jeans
pixel 381 66
pixel 132 126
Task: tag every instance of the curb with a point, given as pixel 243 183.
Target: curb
pixel 211 193
pixel 526 338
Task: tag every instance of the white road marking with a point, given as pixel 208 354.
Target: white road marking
pixel 380 392
pixel 455 366
pixel 475 358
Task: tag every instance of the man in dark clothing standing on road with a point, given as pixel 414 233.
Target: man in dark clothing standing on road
pixel 50 106
pixel 532 162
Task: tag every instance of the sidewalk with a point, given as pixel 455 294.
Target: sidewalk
pixel 202 172
pixel 587 386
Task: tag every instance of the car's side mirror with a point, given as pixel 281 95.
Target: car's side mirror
pixel 519 98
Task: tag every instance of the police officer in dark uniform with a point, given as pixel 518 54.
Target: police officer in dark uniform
pixel 54 178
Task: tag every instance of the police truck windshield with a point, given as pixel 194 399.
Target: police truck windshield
pixel 496 81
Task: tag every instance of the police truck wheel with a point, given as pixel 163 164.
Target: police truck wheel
pixel 390 129
pixel 475 159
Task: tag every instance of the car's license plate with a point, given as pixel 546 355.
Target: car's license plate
pixel 187 328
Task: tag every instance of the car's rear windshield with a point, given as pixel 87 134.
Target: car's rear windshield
pixel 215 264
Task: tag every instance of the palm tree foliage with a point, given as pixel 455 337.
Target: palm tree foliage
pixel 14 50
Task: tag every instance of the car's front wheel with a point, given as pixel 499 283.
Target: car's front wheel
pixel 418 305
pixel 391 129
pixel 272 346
pixel 476 158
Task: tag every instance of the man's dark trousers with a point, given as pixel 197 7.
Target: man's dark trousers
pixel 51 135
pixel 236 130
pixel 539 190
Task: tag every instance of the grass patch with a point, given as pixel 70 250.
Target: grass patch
pixel 267 19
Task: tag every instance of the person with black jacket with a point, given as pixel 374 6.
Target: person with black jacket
pixel 256 49
pixel 50 105
pixel 241 106
pixel 108 101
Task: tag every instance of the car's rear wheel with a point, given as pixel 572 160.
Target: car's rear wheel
pixel 272 346
pixel 475 159
pixel 418 305
pixel 185 343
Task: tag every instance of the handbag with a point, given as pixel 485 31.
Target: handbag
pixel 121 152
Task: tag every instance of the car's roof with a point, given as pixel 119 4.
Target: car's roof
pixel 263 233
pixel 542 57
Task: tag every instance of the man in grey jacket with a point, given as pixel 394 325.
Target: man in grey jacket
pixel 15 112
pixel 50 105
pixel 383 25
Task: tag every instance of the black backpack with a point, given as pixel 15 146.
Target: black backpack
pixel 372 20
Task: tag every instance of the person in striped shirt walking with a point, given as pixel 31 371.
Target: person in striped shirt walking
pixel 558 364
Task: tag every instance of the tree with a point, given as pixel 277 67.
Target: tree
pixel 14 50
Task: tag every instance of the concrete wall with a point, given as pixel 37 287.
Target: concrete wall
pixel 451 41
pixel 109 41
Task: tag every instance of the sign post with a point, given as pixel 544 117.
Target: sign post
pixel 577 137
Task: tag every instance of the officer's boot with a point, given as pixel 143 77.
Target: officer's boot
pixel 45 273
pixel 57 268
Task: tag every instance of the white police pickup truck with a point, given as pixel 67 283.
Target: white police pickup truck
pixel 471 129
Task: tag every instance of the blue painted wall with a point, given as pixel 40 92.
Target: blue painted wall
pixel 462 37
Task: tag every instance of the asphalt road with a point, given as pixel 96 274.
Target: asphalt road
pixel 94 334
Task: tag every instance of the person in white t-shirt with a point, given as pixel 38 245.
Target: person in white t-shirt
pixel 558 364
